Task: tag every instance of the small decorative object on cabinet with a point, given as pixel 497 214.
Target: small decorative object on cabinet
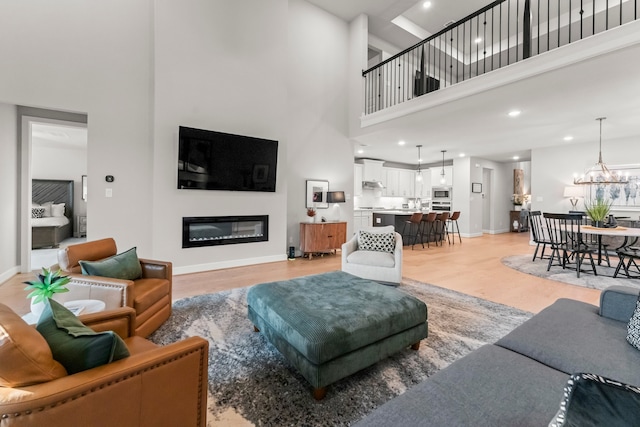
pixel 322 237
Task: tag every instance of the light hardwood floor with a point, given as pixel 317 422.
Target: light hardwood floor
pixel 472 267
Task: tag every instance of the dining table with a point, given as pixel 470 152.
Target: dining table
pixel 630 235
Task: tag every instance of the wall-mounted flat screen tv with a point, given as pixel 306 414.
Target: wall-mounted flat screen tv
pixel 209 160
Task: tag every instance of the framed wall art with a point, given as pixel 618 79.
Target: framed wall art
pixel 317 194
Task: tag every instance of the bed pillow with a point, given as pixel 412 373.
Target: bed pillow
pixel 47 209
pixel 125 265
pixel 37 212
pixel 57 209
pixel 76 346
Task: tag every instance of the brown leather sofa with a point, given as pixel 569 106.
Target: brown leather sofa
pixel 154 386
pixel 149 296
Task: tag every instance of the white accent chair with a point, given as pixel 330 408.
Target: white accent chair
pixel 373 265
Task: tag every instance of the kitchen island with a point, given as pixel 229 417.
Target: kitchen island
pixel 398 219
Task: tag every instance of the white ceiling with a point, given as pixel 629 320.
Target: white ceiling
pixel 555 104
pixel 59 136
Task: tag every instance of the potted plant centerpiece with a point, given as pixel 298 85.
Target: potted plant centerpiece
pixel 598 210
pixel 49 282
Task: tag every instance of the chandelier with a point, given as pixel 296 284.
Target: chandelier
pixel 419 171
pixel 599 173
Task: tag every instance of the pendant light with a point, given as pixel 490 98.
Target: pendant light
pixel 443 179
pixel 599 173
pixel 419 171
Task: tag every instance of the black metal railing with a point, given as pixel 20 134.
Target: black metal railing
pixel 504 32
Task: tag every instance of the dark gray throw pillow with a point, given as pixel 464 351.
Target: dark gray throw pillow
pixel 592 400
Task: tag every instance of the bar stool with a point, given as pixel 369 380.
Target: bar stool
pixel 429 222
pixel 441 228
pixel 453 223
pixel 416 219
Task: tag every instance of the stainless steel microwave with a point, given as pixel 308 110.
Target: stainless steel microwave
pixel 441 193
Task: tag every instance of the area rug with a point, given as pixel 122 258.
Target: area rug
pixel 251 380
pixel 538 268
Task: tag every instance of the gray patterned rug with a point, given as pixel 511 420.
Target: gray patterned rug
pixel 538 268
pixel 251 382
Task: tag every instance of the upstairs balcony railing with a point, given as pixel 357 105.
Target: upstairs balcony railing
pixel 502 33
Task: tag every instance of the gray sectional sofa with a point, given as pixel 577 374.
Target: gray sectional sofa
pixel 519 380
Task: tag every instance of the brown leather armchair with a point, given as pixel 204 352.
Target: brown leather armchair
pixel 154 386
pixel 149 296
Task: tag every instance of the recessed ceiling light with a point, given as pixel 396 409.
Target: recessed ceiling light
pixel 401 142
pixel 360 151
pixel 478 40
pixel 514 113
pixel 426 4
pixel 516 157
pixel 568 138
pixel 461 154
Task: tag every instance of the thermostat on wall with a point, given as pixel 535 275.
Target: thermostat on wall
pixel 108 178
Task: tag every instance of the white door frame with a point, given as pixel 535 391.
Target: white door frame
pixel 26 126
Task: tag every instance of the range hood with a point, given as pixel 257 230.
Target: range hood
pixel 372 185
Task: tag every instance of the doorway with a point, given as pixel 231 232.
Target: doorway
pixel 52 150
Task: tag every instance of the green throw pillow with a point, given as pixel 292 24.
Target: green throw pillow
pixel 73 344
pixel 122 266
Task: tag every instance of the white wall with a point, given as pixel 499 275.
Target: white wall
pixel 94 58
pixel 9 191
pixel 219 68
pixel 468 170
pixel 317 116
pixel 67 163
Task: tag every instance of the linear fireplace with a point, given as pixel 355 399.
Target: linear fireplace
pixel 224 230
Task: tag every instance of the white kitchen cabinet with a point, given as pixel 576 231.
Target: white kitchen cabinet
pixel 435 176
pixel 391 184
pixel 406 183
pixel 372 170
pixel 357 180
pixel 362 219
pixel 423 188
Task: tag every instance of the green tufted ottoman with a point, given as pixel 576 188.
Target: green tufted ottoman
pixel 332 325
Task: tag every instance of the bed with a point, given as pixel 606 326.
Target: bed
pixel 51 212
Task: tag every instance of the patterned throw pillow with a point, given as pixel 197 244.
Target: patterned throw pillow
pixel 37 212
pixel 633 327
pixel 379 242
pixel 593 400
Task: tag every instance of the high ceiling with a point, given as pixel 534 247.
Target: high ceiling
pixel 559 103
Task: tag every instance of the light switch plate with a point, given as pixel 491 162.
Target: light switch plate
pixel 108 192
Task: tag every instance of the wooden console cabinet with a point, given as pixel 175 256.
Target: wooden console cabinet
pixel 321 237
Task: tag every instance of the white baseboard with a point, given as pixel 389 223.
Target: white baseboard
pixel 471 234
pixel 500 231
pixel 9 273
pixel 227 264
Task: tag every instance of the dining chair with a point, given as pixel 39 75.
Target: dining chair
pixel 538 230
pixel 566 241
pixel 414 222
pixel 629 254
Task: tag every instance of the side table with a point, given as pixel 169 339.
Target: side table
pixel 77 307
